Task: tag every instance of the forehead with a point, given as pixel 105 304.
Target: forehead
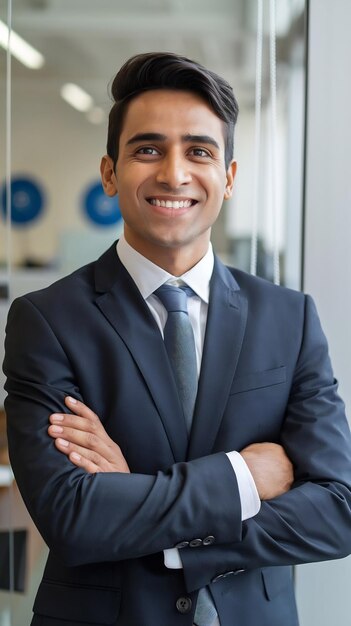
pixel 173 113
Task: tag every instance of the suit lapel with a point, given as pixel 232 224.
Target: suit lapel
pixel 225 330
pixel 123 306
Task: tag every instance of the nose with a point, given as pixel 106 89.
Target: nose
pixel 173 171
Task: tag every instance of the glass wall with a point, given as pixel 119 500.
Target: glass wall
pixel 60 218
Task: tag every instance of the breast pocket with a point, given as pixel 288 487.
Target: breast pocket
pixel 276 580
pixel 259 380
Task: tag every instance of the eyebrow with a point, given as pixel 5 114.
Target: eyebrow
pixel 188 138
pixel 146 137
pixel 200 139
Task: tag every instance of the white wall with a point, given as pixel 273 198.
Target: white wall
pixel 323 590
pixel 57 146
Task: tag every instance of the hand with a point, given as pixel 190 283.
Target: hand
pixel 270 467
pixel 84 440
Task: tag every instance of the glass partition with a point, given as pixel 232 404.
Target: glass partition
pixel 60 218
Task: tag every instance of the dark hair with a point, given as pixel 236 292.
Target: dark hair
pixel 165 70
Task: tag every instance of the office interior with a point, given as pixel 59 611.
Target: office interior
pixel 291 207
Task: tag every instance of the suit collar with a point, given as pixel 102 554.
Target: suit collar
pixel 108 264
pixel 148 276
pixel 106 270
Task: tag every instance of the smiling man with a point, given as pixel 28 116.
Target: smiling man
pixel 174 424
pixel 171 184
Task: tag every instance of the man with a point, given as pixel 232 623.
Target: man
pixel 151 514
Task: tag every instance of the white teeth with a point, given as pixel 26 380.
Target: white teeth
pixel 169 204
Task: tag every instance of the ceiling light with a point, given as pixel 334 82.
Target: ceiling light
pixel 96 115
pixel 25 53
pixel 76 97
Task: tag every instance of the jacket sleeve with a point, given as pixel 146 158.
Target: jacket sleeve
pixel 106 516
pixel 311 522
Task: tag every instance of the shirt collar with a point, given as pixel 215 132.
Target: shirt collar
pixel 148 276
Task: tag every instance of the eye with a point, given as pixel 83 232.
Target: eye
pixel 148 151
pixel 200 152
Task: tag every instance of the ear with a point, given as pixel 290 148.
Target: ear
pixel 108 176
pixel 230 176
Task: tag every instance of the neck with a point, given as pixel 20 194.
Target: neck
pixel 175 260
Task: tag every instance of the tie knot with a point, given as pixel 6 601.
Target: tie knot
pixel 174 298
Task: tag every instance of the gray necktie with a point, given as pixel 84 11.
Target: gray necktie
pixel 180 346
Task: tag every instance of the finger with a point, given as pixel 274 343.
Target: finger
pixel 95 439
pixel 81 461
pixel 69 448
pixel 77 456
pixel 79 408
pixel 73 421
pixel 79 437
pixel 93 461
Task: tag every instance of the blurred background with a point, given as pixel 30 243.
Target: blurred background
pixel 57 148
pixel 61 219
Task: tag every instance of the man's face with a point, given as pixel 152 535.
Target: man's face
pixel 170 174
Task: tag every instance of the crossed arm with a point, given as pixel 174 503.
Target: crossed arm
pixel 285 531
pixel 67 499
pixel 82 437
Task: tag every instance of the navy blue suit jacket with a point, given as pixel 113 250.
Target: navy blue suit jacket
pixel 265 376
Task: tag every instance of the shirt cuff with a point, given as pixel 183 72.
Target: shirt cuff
pixel 249 498
pixel 172 559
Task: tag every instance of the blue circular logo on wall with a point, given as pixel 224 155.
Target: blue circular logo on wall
pixel 99 208
pixel 27 200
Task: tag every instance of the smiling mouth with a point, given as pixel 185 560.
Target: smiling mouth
pixel 172 204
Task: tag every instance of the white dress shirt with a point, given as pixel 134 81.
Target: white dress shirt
pixel 148 277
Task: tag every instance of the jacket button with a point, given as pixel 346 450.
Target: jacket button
pixel 182 544
pixel 217 578
pixel 208 540
pixel 183 605
pixel 195 543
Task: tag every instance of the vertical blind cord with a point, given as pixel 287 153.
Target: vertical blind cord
pixel 274 160
pixel 9 273
pixel 8 155
pixel 257 143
